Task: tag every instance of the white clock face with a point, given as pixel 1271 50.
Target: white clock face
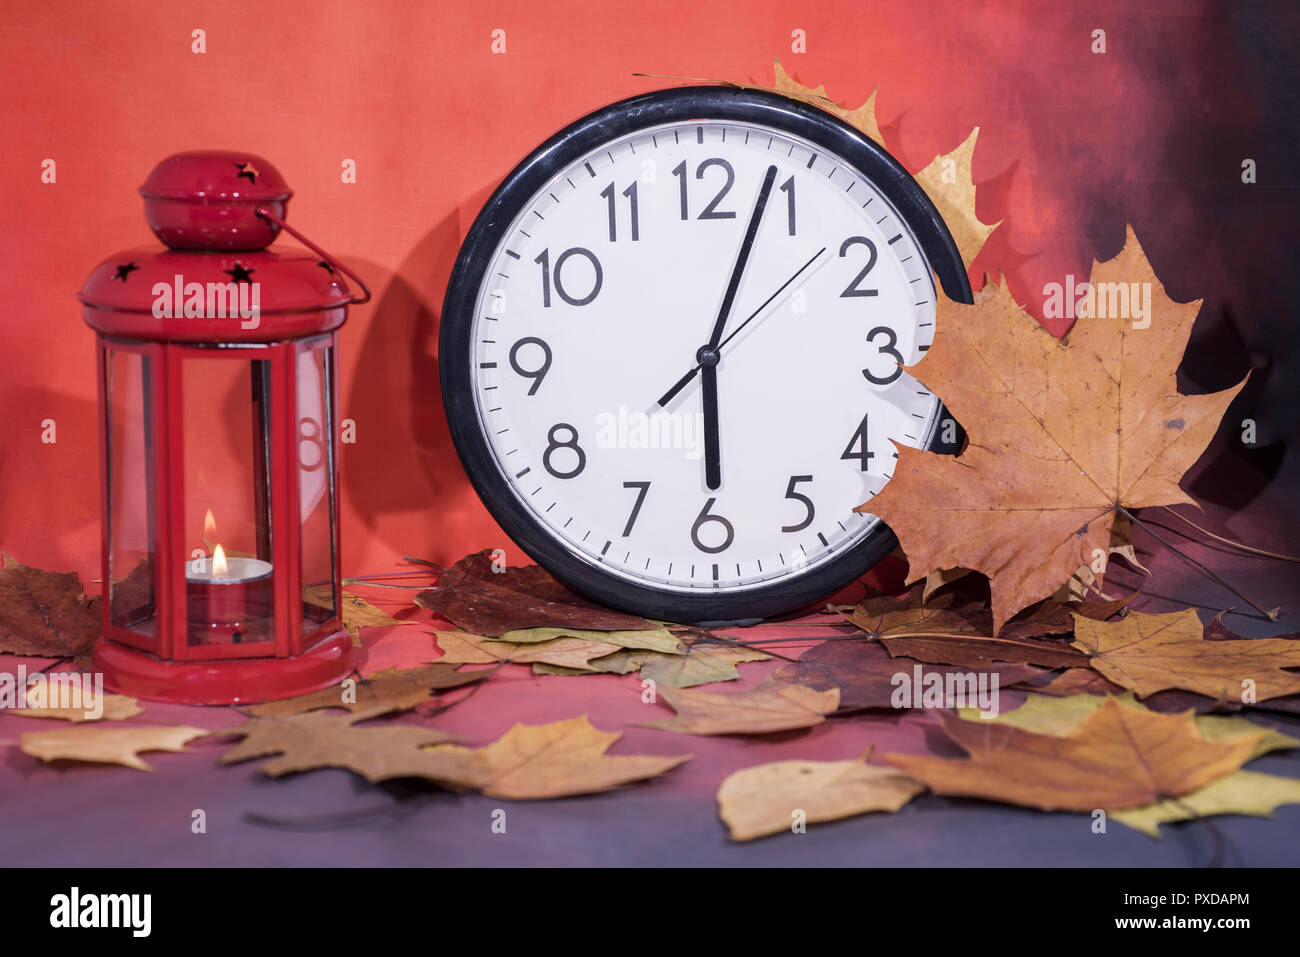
pixel 600 296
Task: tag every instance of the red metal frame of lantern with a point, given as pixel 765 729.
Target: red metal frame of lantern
pixel 179 624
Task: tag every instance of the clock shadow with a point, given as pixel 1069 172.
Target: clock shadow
pixel 402 476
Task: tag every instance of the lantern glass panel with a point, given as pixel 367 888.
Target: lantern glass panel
pixel 131 489
pixel 226 413
pixel 316 492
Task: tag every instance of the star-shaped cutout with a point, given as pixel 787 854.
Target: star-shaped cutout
pixel 249 170
pixel 123 272
pixel 240 274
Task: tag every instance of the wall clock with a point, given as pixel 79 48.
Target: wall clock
pixel 671 345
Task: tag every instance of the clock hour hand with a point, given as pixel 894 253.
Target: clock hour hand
pixel 685 380
pixel 709 393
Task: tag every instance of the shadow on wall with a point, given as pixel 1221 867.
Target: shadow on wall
pixel 403 477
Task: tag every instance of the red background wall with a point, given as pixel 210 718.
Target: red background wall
pixel 1073 144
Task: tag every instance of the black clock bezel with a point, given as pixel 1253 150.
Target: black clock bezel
pixel 455 353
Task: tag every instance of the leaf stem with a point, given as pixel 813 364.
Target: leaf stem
pixel 1270 615
pixel 1228 541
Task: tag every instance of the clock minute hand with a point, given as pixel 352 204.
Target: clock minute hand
pixel 685 380
pixel 742 258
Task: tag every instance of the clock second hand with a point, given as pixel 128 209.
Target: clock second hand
pixel 685 380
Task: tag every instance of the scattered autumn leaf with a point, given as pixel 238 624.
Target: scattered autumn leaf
pixel 650 639
pixel 1073 681
pixel 1085 578
pixel 947 180
pixel 771 706
pixel 761 800
pixel 1060 716
pixel 864 671
pixel 1062 436
pixel 1245 792
pixel 556 760
pixel 700 664
pixel 1150 653
pixel 482 601
pixel 393 689
pixel 1116 758
pixel 112 707
pixel 462 648
pixel 121 744
pixel 320 739
pixel 356 612
pixel 46 614
pixel 973 651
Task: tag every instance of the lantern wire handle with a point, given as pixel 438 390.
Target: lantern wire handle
pixel 266 214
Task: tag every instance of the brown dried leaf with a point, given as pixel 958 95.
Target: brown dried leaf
pixel 864 671
pixel 1150 653
pixel 762 800
pixel 1115 758
pixel 556 760
pixel 701 663
pixel 46 614
pixel 474 597
pixel 862 119
pixel 462 648
pixel 356 612
pixel 771 706
pixel 393 689
pixel 1038 488
pixel 320 739
pixel 947 180
pixel 116 745
pixel 115 707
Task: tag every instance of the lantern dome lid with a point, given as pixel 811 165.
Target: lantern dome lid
pixel 208 175
pixel 172 295
pixel 207 199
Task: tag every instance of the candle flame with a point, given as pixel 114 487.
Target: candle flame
pixel 219 567
pixel 209 525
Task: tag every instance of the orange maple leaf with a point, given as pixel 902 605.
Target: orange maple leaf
pixel 1118 757
pixel 1064 435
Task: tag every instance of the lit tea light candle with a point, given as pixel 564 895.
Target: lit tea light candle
pixel 229 599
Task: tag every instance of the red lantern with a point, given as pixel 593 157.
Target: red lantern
pixel 219 448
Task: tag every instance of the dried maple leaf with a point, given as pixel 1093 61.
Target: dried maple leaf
pixel 462 648
pixel 356 612
pixel 971 651
pixel 472 596
pixel 650 639
pixel 1117 757
pixel 556 760
pixel 45 614
pixel 319 739
pixel 1150 653
pixel 112 707
pixel 1073 681
pixel 947 180
pixel 762 800
pixel 393 689
pixel 771 706
pixel 1061 437
pixel 700 664
pixel 116 745
pixel 1060 716
pixel 864 672
pixel 1242 792
pixel 1245 792
pixel 862 119
pixel 1084 580
pixel 885 616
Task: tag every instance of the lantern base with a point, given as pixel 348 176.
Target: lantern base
pixel 229 681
